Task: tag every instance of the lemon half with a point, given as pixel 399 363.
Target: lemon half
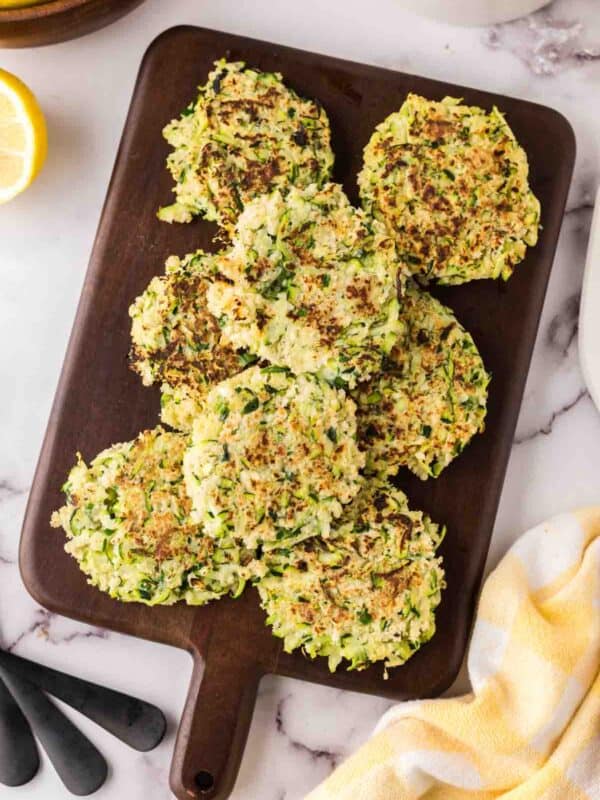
pixel 23 140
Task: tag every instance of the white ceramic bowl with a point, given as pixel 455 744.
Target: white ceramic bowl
pixel 473 12
pixel 589 314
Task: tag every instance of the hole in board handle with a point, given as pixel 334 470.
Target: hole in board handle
pixel 204 780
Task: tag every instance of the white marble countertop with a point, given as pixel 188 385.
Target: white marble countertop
pixel 299 731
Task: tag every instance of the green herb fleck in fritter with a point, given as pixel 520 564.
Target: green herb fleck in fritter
pixel 310 282
pixel 451 183
pixel 430 398
pixel 177 341
pixel 368 593
pixel 262 467
pixel 127 520
pixel 246 134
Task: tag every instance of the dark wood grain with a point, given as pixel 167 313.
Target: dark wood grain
pixel 58 20
pixel 99 401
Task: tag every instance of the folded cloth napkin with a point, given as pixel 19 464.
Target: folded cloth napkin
pixel 530 729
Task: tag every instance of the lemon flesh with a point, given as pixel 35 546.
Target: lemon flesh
pixel 23 139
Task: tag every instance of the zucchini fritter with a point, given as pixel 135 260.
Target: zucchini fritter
pixel 310 283
pixel 246 134
pixel 127 519
pixel 366 594
pixel 451 183
pixel 430 398
pixel 272 458
pixel 176 340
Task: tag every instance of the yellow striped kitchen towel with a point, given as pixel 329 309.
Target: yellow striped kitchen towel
pixel 530 729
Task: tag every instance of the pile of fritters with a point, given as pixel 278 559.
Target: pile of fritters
pixel 303 365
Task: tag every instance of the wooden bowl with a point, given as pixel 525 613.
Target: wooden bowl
pixel 58 20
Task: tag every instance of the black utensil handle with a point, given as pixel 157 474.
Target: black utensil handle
pixel 137 723
pixel 78 763
pixel 19 759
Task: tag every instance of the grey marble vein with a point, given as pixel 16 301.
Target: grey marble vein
pixel 42 626
pixel 548 427
pixel 94 633
pixel 563 327
pixel 585 206
pixel 9 490
pixel 331 758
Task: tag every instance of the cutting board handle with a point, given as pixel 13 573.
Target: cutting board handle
pixel 215 723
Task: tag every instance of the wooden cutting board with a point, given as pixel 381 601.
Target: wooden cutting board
pixel 99 401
